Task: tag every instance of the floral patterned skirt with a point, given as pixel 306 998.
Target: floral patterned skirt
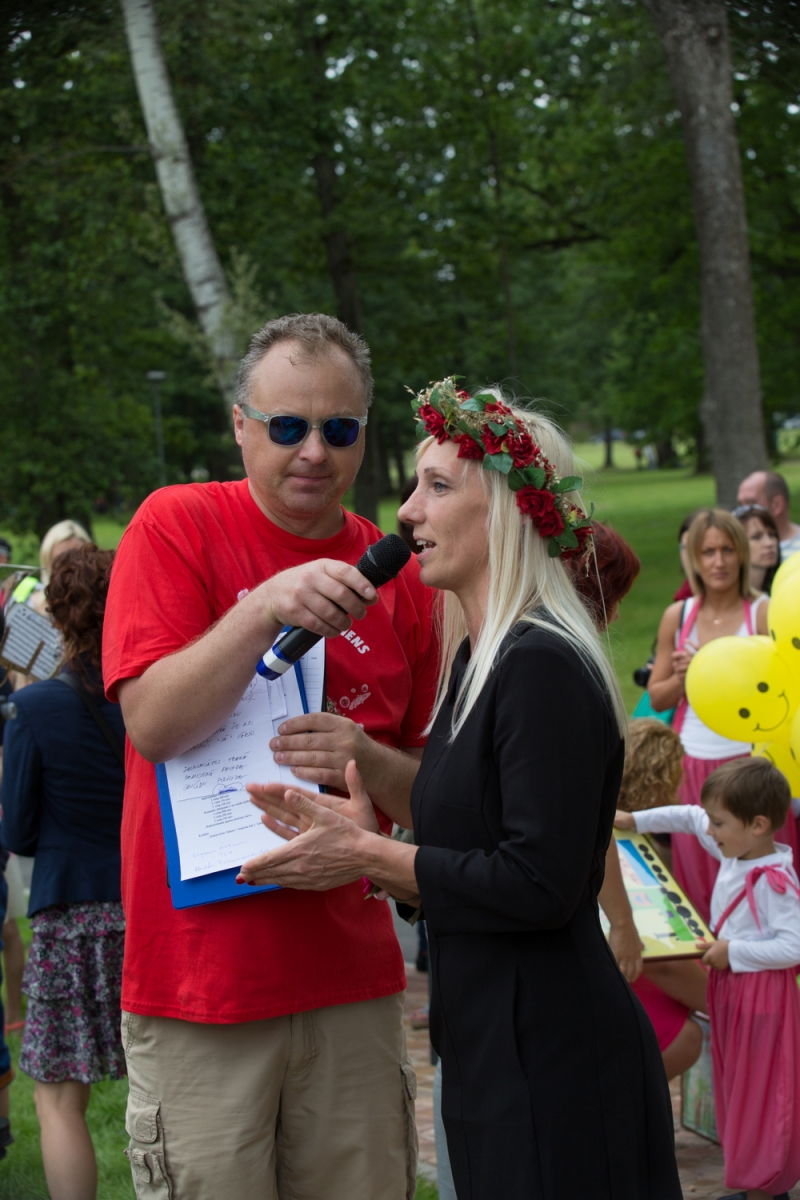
pixel 73 981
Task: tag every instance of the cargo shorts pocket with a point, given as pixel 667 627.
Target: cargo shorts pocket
pixel 412 1148
pixel 145 1151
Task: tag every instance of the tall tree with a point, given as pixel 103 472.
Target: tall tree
pixel 694 36
pixel 315 40
pixel 202 268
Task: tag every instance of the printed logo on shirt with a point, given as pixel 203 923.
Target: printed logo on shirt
pixel 347 704
pixel 356 699
pixel 360 645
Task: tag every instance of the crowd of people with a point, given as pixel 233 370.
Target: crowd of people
pixel 262 1036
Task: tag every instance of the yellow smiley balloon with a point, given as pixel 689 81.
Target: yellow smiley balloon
pixel 742 689
pixel 783 758
pixel 783 619
pixel 794 737
pixel 785 571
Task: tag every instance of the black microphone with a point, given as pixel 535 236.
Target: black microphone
pixel 379 563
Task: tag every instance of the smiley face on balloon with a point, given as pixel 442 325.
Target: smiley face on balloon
pixel 742 689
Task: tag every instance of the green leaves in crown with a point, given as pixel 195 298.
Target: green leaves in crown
pixel 444 399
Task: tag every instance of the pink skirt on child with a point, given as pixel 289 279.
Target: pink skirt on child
pixel 755 1050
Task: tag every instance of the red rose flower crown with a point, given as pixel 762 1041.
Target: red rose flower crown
pixel 486 430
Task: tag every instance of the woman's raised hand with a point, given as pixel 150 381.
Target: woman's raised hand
pixel 681 660
pixel 323 833
pixel 271 797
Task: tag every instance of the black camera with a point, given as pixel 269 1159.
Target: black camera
pixel 641 676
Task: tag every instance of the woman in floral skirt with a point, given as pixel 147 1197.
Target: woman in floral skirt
pixel 62 790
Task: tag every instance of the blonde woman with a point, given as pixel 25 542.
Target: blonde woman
pixel 552 1080
pixel 66 535
pixel 724 605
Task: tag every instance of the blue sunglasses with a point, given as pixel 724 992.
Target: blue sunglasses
pixel 288 430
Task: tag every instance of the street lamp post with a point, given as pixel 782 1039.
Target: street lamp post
pixel 156 378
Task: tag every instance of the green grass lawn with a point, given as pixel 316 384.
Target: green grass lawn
pixel 646 507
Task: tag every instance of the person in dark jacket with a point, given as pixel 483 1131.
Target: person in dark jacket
pixel 63 781
pixel 552 1080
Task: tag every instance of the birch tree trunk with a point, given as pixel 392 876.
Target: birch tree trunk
pixel 694 38
pixel 202 269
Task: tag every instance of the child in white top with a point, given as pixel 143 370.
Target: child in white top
pixel 753 998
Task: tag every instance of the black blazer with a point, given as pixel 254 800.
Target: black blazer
pixel 62 795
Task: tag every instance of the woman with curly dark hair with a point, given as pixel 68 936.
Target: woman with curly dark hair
pixel 62 791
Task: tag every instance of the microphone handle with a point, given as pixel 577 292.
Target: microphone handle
pixel 286 652
pixel 374 566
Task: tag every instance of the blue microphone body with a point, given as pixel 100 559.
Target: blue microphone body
pixel 379 563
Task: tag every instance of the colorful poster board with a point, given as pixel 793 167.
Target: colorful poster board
pixel 666 920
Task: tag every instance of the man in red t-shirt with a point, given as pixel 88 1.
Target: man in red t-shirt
pixel 264 1035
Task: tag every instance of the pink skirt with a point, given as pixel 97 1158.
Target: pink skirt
pixel 755 1049
pixel 667 1016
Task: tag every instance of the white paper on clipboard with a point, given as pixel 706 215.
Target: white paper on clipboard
pixel 216 824
pixel 313 667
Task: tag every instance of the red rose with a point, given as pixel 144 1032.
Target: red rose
pixel 540 506
pixel 583 536
pixel 462 395
pixel 469 448
pixel 521 448
pixel 491 441
pixel 497 406
pixel 434 422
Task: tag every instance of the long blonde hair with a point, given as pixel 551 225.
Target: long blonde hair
pixel 525 584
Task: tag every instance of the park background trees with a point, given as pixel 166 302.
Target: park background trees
pixel 490 188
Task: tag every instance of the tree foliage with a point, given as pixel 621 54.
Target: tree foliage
pixel 510 180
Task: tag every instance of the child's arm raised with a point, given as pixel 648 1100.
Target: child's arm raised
pixel 675 818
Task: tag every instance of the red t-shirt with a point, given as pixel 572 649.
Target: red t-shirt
pixel 188 555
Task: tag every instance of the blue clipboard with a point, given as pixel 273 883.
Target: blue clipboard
pixel 219 885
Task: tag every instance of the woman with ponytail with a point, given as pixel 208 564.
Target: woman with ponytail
pixel 552 1080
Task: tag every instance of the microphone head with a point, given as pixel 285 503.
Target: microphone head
pixel 384 560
